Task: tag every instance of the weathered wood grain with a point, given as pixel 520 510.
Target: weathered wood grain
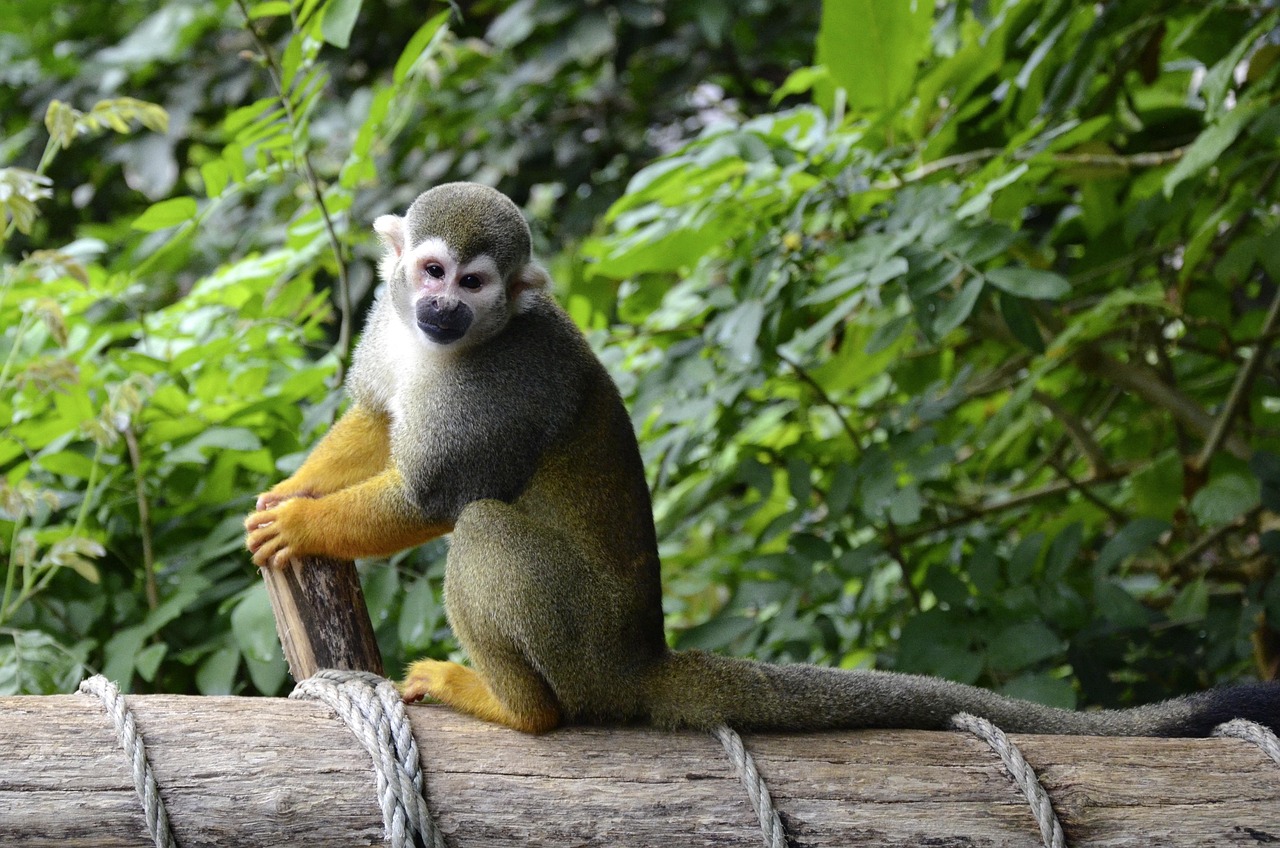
pixel 321 616
pixel 265 771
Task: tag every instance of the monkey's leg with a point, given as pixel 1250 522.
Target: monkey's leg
pixel 357 447
pixel 372 518
pixel 502 571
pixel 528 706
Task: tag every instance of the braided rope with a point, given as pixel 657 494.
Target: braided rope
pixel 745 766
pixel 371 708
pixel 1251 731
pixel 144 779
pixel 1021 772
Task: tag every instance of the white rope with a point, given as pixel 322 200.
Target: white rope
pixel 144 779
pixel 1021 772
pixel 373 712
pixel 1251 731
pixel 757 790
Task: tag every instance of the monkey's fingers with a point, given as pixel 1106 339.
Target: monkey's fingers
pixel 410 692
pixel 423 679
pixel 277 496
pixel 260 519
pixel 264 542
pixel 266 500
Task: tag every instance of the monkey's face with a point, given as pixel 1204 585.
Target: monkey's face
pixel 457 265
pixel 451 301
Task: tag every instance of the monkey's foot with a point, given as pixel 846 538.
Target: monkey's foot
pixel 466 691
pixel 430 679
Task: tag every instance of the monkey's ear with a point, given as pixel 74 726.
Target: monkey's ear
pixel 390 230
pixel 531 276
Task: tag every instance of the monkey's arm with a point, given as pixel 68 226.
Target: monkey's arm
pixel 355 449
pixel 369 519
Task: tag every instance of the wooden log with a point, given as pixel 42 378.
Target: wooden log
pixel 321 616
pixel 265 771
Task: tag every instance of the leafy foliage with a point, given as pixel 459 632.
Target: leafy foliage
pixel 974 377
pixel 948 331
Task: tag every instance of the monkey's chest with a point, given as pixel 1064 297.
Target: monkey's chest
pixel 452 449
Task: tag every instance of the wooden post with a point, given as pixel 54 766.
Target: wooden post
pixel 321 617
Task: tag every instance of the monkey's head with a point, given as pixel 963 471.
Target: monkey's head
pixel 458 264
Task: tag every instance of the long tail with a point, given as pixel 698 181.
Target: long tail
pixel 696 689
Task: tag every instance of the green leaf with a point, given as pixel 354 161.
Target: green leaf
pixel 417 46
pixel 1029 283
pixel 740 329
pixel 216 175
pixel 148 660
pixel 936 642
pixel 1156 490
pixel 419 616
pixel 214 439
pixel 1134 538
pixel 1225 498
pixel 1024 559
pixel 716 634
pixel 339 19
pixel 1022 645
pixel 1041 689
pixel 954 311
pixel 1063 551
pixel 872 48
pixel 905 506
pixel 217 674
pixel 268 9
pixel 1021 322
pixel 254 626
pixel 1192 603
pixel 166 213
pixel 121 651
pixel 1210 145
pixel 34 663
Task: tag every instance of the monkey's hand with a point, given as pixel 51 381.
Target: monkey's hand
pixel 370 519
pixel 282 531
pixel 284 490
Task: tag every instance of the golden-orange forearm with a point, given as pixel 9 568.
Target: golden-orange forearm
pixel 357 448
pixel 369 519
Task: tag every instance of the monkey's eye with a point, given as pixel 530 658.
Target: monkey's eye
pixel 435 269
pixel 471 282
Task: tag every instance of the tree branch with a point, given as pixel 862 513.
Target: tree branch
pixel 1146 384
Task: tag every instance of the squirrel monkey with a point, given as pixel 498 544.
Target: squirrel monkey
pixel 480 410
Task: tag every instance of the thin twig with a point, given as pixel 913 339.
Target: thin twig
pixel 1240 388
pixel 1211 538
pixel 1151 159
pixel 1115 514
pixel 971 513
pixel 144 517
pixel 1076 429
pixel 826 399
pixel 313 185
